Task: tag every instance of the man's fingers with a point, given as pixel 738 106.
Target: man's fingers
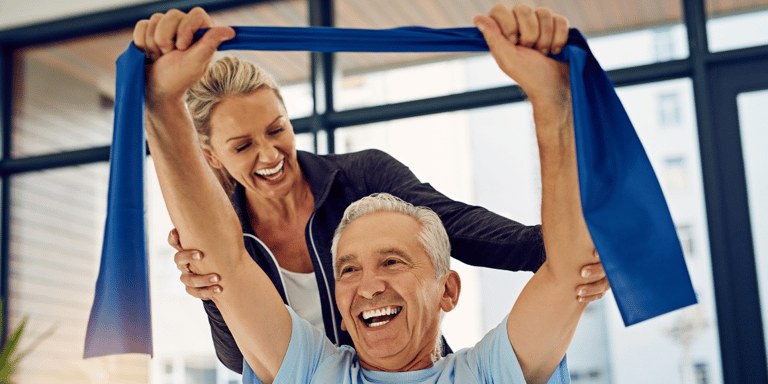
pixel 184 258
pixel 546 30
pixel 506 21
pixel 140 34
pixel 193 21
pixel 560 38
pixel 151 48
pixel 202 51
pixel 528 25
pixel 167 29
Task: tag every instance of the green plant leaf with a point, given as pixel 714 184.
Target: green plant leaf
pixel 8 363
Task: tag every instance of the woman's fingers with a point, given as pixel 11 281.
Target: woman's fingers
pixel 593 272
pixel 183 259
pixel 206 291
pixel 593 291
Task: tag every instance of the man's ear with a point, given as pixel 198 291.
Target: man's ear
pixel 451 291
pixel 212 159
pixel 343 326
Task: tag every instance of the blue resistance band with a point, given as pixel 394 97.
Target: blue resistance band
pixel 622 201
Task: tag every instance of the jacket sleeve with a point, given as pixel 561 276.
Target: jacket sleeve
pixel 223 341
pixel 478 237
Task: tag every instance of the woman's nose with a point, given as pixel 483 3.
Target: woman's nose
pixel 268 154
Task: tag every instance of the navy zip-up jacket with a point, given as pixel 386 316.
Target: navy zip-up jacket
pixel 478 237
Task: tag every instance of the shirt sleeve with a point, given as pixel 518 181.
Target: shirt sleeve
pixel 307 350
pixel 478 236
pixel 493 360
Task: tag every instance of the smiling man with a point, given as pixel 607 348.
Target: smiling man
pixel 393 282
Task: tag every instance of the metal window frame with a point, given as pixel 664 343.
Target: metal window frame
pixel 717 78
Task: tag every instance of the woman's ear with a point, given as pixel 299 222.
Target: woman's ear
pixel 212 159
pixel 451 291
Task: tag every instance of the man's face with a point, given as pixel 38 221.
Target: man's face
pixel 387 292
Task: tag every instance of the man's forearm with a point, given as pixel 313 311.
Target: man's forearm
pixel 545 316
pixel 205 219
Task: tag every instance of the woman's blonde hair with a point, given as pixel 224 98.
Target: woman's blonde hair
pixel 228 76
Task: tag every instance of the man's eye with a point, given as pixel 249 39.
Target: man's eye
pixel 347 269
pixel 242 147
pixel 391 262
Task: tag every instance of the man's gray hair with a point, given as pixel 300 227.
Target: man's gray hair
pixel 433 237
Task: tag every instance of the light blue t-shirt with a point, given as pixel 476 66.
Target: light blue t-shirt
pixel 312 358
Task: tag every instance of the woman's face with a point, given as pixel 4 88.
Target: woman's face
pixel 252 138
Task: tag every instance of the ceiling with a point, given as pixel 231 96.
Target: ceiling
pixel 92 58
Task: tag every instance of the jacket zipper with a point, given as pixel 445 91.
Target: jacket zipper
pixel 277 266
pixel 325 279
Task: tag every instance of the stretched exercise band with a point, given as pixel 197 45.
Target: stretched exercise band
pixel 622 201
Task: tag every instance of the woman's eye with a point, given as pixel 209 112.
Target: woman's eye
pixel 242 148
pixel 391 262
pixel 276 131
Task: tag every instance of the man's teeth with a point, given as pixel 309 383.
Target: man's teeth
pixel 269 172
pixel 380 312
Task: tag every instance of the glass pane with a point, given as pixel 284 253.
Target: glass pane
pixel 463 154
pixel 620 37
pixel 66 93
pixel 736 24
pixel 683 346
pixel 754 139
pixel 56 233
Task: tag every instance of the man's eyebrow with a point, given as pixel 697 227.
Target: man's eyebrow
pixel 343 259
pixel 392 251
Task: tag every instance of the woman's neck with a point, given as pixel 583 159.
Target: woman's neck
pixel 297 204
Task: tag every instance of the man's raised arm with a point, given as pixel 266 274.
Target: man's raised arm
pixel 544 317
pixel 198 205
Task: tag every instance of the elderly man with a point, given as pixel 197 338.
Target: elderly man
pixel 393 282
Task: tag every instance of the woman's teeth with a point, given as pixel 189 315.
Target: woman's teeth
pixel 272 173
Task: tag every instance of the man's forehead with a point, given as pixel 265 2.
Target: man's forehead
pixel 379 233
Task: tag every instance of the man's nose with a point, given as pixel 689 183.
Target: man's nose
pixel 370 285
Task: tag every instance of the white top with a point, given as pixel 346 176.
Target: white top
pixel 304 296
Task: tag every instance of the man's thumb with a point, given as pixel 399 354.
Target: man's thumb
pixel 490 30
pixel 209 43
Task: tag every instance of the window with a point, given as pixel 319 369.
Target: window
pixel 675 176
pixel 669 109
